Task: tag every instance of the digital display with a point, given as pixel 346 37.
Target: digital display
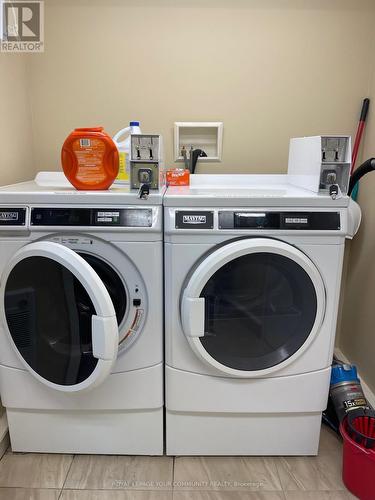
pixel 256 220
pixel 60 217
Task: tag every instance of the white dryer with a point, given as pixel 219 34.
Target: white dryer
pixel 252 282
pixel 81 326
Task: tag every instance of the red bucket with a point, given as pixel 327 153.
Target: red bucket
pixel 358 470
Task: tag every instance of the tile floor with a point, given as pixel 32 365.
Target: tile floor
pixel 29 476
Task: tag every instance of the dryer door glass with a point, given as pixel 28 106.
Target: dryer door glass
pixel 259 310
pixel 49 316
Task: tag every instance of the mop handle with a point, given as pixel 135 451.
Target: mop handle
pixel 358 137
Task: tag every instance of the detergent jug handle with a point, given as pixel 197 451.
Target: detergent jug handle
pixel 120 133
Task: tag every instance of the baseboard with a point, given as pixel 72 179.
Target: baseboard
pixel 366 389
pixel 137 432
pixel 229 434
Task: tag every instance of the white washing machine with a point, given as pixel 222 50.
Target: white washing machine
pixel 252 281
pixel 81 326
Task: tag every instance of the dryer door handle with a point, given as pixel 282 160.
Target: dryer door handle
pixel 105 337
pixel 193 311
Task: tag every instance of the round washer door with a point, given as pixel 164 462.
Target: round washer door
pixel 252 306
pixel 59 317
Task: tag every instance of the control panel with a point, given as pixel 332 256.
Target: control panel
pixel 280 220
pixel 98 217
pixel 250 219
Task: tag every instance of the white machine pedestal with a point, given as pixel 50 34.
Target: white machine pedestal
pixel 106 432
pixel 242 433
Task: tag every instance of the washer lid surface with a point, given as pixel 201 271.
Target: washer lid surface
pixel 246 190
pixel 59 317
pixel 252 306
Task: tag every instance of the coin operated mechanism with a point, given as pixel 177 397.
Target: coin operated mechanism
pixel 146 163
pixel 321 164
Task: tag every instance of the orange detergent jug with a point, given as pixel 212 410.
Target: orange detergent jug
pixel 89 158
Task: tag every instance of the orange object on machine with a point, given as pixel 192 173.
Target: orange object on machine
pixel 89 158
pixel 178 177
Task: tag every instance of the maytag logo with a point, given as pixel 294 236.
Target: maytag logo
pixel 194 219
pixel 8 216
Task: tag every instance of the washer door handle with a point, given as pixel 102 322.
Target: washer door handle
pixel 105 337
pixel 193 312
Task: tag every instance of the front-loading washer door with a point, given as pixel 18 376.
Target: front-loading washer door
pixel 252 306
pixel 59 316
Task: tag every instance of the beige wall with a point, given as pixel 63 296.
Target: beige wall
pixel 357 332
pixel 269 69
pixel 16 151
